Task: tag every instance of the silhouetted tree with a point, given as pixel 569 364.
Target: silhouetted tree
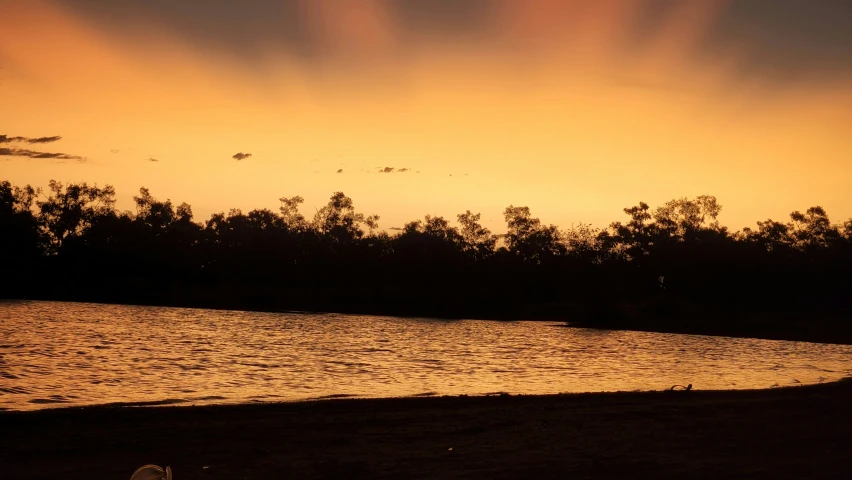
pixel 430 242
pixel 632 240
pixel 290 213
pixel 20 240
pixel 812 231
pixel 71 243
pixel 529 239
pixel 339 224
pixel 478 242
pixel 70 209
pixel 586 244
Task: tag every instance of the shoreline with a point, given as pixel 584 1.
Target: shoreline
pixel 180 403
pixel 790 432
pixel 757 325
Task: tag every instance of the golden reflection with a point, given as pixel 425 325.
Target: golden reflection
pixel 59 354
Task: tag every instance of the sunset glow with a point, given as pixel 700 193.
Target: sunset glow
pixel 446 238
pixel 575 108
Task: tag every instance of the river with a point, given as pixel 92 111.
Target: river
pixel 55 354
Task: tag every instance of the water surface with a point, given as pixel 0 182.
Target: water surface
pixel 61 354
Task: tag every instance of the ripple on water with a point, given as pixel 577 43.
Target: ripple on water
pixel 77 354
pixel 48 401
pixel 16 390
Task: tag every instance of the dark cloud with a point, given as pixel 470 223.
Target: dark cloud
pixel 649 20
pixel 393 170
pixel 777 40
pixel 22 152
pixel 339 170
pixel 241 156
pixel 397 229
pixel 8 139
pixel 152 159
pixel 785 40
pixel 444 18
pixel 241 30
pixel 55 138
pixel 244 30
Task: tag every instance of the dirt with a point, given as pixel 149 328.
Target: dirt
pixel 796 433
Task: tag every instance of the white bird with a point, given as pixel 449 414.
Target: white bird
pixel 152 472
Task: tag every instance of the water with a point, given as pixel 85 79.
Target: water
pixel 60 354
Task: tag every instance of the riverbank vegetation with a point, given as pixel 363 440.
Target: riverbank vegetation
pixel 672 267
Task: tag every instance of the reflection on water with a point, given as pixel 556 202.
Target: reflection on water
pixel 58 354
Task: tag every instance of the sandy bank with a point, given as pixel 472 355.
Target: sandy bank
pixel 803 432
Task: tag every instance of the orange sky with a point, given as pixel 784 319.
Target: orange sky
pixel 576 108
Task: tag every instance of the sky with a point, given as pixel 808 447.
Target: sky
pixel 575 108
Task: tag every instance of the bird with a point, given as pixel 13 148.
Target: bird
pixel 152 472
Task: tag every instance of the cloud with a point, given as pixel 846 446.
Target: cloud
pixel 339 170
pixel 393 170
pixel 775 39
pixel 8 139
pixel 395 229
pixel 22 152
pixel 52 139
pixel 444 18
pixel 785 40
pixel 241 156
pixel 152 159
pixel 115 151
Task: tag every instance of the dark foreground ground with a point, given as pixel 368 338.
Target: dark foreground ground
pixel 795 433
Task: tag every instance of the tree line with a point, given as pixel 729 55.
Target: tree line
pixel 70 242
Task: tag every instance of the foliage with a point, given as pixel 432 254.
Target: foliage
pixel 71 242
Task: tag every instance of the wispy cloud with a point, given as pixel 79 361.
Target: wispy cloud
pixel 393 170
pixel 152 159
pixel 778 39
pixel 22 152
pixel 52 139
pixel 31 140
pixel 241 156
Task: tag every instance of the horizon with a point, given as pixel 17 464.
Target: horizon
pixel 485 103
pixel 44 193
